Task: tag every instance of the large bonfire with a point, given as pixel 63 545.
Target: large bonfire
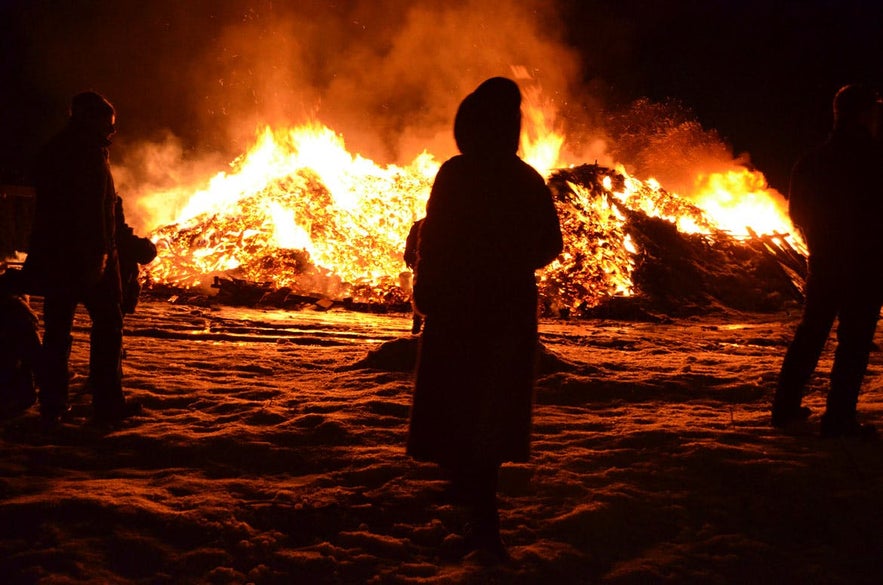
pixel 301 216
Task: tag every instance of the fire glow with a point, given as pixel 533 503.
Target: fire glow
pixel 299 211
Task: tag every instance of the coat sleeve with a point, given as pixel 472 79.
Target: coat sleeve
pixel 549 241
pixel 433 253
pixel 93 202
pixel 410 255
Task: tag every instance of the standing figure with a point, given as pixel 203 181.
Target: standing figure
pixel 73 259
pixel 490 224
pixel 410 257
pixel 836 200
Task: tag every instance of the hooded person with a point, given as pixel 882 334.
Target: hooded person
pixel 490 224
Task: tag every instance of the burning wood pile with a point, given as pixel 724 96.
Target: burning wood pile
pixel 631 248
pixel 297 221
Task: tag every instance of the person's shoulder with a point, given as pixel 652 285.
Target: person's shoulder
pixel 456 168
pixel 57 142
pixel 529 174
pixel 529 169
pixel 813 156
pixel 816 150
pixel 455 162
pixel 67 142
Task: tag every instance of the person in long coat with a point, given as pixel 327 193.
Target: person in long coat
pixel 490 224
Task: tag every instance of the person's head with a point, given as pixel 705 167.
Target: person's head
pixel 488 120
pixel 856 106
pixel 93 113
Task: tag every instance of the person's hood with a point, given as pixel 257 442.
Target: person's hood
pixel 488 121
pixel 86 135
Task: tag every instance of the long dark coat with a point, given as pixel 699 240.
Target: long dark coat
pixel 73 237
pixel 490 224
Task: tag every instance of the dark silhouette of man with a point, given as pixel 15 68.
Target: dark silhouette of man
pixel 490 224
pixel 836 200
pixel 73 259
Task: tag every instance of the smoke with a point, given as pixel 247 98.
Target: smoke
pixel 193 81
pixel 663 140
pixel 198 78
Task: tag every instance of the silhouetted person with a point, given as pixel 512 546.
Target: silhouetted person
pixel 73 259
pixel 410 257
pixel 490 223
pixel 836 200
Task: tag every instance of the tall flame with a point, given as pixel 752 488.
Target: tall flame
pixel 540 143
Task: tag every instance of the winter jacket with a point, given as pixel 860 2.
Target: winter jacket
pixel 490 223
pixel 836 199
pixel 73 239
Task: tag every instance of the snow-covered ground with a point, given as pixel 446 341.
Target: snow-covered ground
pixel 265 456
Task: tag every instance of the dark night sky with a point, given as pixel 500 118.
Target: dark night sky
pixel 759 72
